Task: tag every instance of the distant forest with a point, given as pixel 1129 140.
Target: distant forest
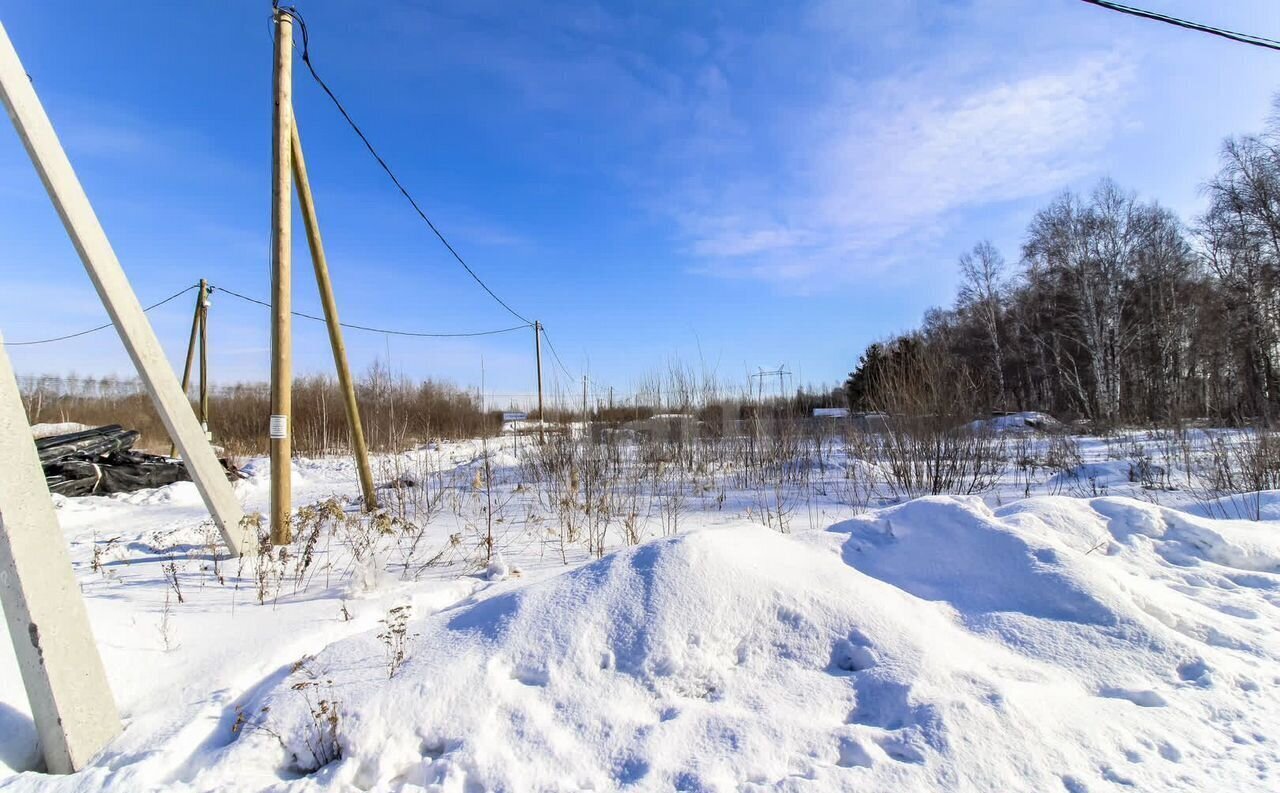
pixel 1115 311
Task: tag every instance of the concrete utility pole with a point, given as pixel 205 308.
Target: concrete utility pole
pixel 281 285
pixel 71 702
pixel 68 197
pixel 537 346
pixel 321 265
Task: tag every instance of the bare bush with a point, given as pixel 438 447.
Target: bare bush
pixel 930 444
pixel 1230 473
pixel 396 412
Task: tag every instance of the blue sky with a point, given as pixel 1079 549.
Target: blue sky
pixel 732 185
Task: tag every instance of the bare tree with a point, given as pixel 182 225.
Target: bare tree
pixel 982 286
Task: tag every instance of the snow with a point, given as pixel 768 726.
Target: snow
pixel 498 569
pixel 59 428
pixel 527 427
pixel 1263 505
pixel 1025 421
pixel 1055 642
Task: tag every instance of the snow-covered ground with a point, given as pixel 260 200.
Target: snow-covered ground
pixel 1112 630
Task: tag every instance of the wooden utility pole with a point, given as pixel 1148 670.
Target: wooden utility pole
pixel 537 346
pixel 191 351
pixel 204 358
pixel 281 285
pixel 584 397
pixel 321 265
pixel 71 702
pixel 100 262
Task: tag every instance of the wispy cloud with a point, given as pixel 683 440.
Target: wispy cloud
pixel 871 169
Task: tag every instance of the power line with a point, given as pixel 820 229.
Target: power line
pixel 384 331
pixel 1243 38
pixel 555 354
pixel 173 296
pixel 306 59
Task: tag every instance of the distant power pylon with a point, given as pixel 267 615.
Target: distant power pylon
pixel 781 373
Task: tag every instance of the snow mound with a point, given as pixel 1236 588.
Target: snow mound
pixel 1026 421
pixel 1258 505
pixel 1054 644
pixel 177 493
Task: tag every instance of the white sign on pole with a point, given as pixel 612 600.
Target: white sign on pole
pixel 279 427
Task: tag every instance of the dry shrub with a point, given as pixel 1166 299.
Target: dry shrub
pixel 396 412
pixel 1229 474
pixel 930 444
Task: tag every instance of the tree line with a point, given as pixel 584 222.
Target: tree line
pixel 1115 310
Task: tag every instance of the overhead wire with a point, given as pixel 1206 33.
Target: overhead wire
pixel 78 334
pixel 306 60
pixel 384 331
pixel 556 355
pixel 1243 38
pixel 349 325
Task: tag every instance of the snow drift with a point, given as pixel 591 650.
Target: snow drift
pixel 1054 644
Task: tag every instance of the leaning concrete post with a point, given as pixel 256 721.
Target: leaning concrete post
pixel 74 712
pixel 68 196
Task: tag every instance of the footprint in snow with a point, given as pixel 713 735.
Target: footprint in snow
pixel 1115 777
pixel 1074 785
pixel 853 754
pixel 1144 698
pixel 898 748
pixel 522 673
pixel 852 655
pixel 529 676
pixel 1196 671
pixel 857 752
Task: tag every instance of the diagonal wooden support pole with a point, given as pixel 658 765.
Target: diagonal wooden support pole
pixel 68 196
pixel 191 349
pixel 204 359
pixel 321 265
pixel 71 703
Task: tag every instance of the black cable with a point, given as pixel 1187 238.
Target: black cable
pixel 173 296
pixel 384 331
pixel 1243 38
pixel 306 59
pixel 556 355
